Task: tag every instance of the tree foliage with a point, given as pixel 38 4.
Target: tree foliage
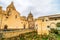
pixel 58 24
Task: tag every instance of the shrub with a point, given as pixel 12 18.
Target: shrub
pixel 54 31
pixel 58 24
pixel 52 36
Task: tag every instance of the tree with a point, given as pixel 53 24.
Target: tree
pixel 58 24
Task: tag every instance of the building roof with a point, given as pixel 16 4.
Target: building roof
pixel 23 18
pixel 56 15
pixel 11 6
pixel 30 15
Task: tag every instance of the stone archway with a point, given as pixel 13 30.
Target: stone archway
pixel 53 25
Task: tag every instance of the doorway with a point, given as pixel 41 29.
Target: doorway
pixel 5 27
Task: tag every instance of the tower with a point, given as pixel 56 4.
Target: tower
pixel 30 20
pixel 10 8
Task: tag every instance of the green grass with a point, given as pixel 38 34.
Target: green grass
pixel 58 37
pixel 35 36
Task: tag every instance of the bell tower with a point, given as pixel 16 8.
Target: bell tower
pixel 10 8
pixel 30 17
pixel 30 20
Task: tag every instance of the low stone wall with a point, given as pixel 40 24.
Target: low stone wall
pixel 9 34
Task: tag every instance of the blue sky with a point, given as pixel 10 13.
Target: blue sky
pixel 37 7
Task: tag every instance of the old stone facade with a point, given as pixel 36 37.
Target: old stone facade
pixel 11 19
pixel 45 23
pixel 30 20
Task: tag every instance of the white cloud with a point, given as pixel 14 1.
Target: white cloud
pixel 38 7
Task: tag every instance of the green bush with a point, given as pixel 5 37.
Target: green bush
pixel 54 31
pixel 52 36
pixel 58 24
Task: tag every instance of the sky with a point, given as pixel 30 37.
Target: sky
pixel 37 7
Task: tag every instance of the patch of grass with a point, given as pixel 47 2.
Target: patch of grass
pixel 58 37
pixel 35 36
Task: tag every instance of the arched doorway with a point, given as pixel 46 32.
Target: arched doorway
pixel 5 27
pixel 53 25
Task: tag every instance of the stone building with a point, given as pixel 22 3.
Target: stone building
pixel 45 23
pixel 11 19
pixel 41 27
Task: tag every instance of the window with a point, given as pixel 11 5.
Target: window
pixel 43 20
pixel 6 17
pixel 46 20
pixel 15 16
pixel 9 12
pixel 55 19
pixel 48 26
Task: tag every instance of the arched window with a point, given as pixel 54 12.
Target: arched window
pixel 9 12
pixel 48 26
pixel 15 16
pixel 42 20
